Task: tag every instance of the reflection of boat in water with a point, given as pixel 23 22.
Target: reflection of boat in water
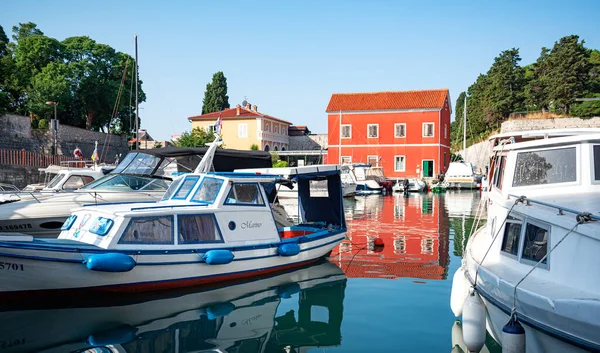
pixel 414 230
pixel 241 317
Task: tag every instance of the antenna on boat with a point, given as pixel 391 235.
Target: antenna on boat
pixel 465 130
pixel 137 119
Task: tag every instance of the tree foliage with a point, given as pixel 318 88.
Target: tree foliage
pixel 198 137
pixel 215 96
pixel 84 77
pixel 560 75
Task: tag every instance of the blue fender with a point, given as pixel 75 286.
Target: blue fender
pixel 111 262
pixel 218 257
pixel 289 249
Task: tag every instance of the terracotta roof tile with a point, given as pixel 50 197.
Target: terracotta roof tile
pixel 395 100
pixel 231 113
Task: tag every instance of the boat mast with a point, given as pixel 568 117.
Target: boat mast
pixel 137 120
pixel 465 130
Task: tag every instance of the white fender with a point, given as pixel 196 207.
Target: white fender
pixel 460 291
pixel 513 337
pixel 473 319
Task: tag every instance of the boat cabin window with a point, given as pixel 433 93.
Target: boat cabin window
pixel 172 189
pixel 536 243
pixel 512 236
pixel 127 183
pixel 499 172
pixel 55 180
pixel 186 187
pixel 546 167
pixel 149 230
pixel 244 194
pixel 597 162
pixel 208 190
pixel 195 229
pixel 76 181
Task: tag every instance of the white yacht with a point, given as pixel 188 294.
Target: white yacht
pixel 364 180
pixel 461 175
pixel 536 260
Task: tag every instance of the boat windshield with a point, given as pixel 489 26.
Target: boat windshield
pixel 55 180
pixel 137 163
pixel 120 182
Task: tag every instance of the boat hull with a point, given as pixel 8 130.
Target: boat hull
pixel 37 269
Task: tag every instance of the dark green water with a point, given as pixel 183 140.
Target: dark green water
pixel 393 298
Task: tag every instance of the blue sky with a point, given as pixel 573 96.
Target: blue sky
pixel 289 57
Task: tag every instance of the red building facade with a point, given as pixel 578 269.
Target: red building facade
pixel 405 132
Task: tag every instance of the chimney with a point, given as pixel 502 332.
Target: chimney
pixel 249 106
pixel 237 109
pixel 255 108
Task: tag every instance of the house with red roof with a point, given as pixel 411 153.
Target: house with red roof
pixel 405 132
pixel 244 126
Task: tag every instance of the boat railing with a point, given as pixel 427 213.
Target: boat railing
pixel 561 210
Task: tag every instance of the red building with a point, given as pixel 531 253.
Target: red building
pixel 405 132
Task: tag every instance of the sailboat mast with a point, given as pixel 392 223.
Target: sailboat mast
pixel 340 139
pixel 465 130
pixel 137 120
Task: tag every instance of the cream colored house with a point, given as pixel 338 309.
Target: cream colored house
pixel 243 127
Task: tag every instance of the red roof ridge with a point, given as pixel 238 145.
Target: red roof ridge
pixel 407 91
pixel 389 100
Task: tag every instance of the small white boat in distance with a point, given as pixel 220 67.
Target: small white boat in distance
pixel 409 185
pixel 69 175
pixel 357 174
pixel 209 227
pixel 536 260
pixel 461 175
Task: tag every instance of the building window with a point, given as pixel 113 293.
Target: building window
pixel 346 159
pixel 399 163
pixel 276 129
pixel 445 162
pixel 275 148
pixel 373 130
pixel 267 148
pixel 400 130
pixel 427 129
pixel 372 160
pixel 267 127
pixel 282 132
pixel 211 128
pixel 283 148
pixel 242 130
pixel 445 131
pixel 346 131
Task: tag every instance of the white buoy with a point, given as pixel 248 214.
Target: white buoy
pixel 460 291
pixel 473 319
pixel 513 337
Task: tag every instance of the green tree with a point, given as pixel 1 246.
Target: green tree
pixel 215 96
pixel 198 137
pixel 506 84
pixel 4 95
pixel 456 132
pixel 3 42
pixel 568 72
pixel 537 95
pixel 587 109
pixel 25 30
pixel 254 147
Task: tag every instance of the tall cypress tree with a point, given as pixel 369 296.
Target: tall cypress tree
pixel 215 96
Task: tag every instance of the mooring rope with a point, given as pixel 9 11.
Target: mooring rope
pixel 581 219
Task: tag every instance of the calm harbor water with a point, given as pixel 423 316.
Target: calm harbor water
pixel 364 299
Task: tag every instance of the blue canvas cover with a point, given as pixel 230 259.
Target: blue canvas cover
pixel 321 209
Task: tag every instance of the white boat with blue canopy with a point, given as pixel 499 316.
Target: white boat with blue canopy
pixel 208 227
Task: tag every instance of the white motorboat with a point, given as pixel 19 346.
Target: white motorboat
pixel 409 185
pixel 357 174
pixel 461 175
pixel 209 227
pixel 239 317
pixel 142 176
pixel 535 260
pixel 69 175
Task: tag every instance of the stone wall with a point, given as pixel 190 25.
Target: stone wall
pixel 16 133
pixel 479 153
pixel 20 176
pixel 543 124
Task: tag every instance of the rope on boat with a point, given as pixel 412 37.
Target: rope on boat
pixel 581 218
pixel 519 200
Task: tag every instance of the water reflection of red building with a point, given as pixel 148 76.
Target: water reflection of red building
pixel 414 230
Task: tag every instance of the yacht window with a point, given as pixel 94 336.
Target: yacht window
pixel 208 190
pixel 126 182
pixel 512 235
pixel 149 230
pixel 597 162
pixel 499 174
pixel 55 181
pixel 186 187
pixel 244 194
pixel 76 181
pixel 174 187
pixel 536 243
pixel 198 229
pixel 318 188
pixel 546 167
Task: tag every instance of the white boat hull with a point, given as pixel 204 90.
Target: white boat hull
pixel 38 268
